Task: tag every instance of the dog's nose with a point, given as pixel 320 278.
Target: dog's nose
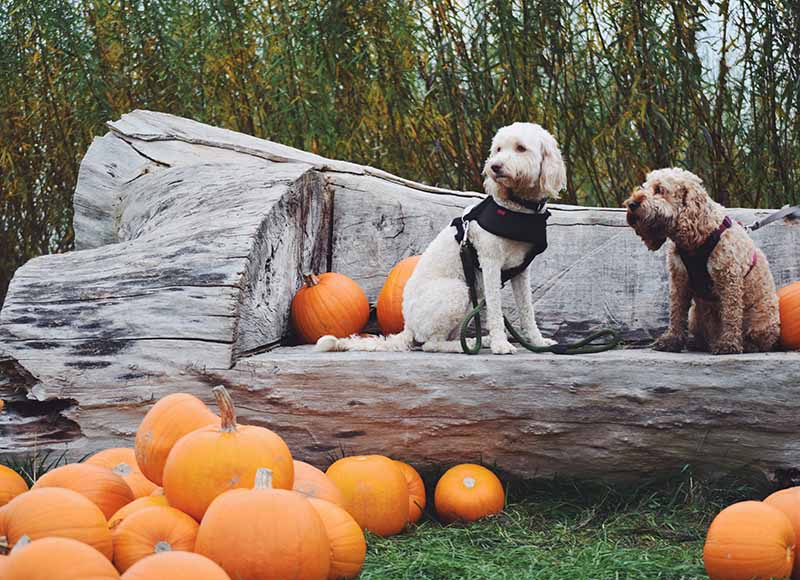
pixel 634 205
pixel 497 167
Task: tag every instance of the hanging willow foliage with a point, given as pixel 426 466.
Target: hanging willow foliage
pixel 415 87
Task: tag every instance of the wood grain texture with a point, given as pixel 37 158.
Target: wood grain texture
pixel 192 240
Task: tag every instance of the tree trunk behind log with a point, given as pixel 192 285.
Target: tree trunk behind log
pixel 192 241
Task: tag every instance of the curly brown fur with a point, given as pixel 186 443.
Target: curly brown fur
pixel 742 313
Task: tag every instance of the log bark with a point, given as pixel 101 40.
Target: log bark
pixel 191 241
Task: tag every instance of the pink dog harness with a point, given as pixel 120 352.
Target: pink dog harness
pixel 696 263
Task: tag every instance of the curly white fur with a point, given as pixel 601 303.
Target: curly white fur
pixel 524 158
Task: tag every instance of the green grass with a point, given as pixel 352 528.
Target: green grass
pixel 562 530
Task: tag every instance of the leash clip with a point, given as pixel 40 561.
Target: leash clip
pixel 466 232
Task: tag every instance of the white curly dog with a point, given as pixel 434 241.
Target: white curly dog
pixel 524 164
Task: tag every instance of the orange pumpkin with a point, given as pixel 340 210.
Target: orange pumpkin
pixel 170 419
pixel 375 492
pixel 54 511
pixel 209 461
pixel 789 297
pixel 468 492
pixel 11 485
pixel 416 491
pixel 265 534
pixel 150 531
pixel 104 487
pixel 749 540
pixel 122 461
pixel 58 559
pixel 389 307
pixel 788 501
pixel 175 566
pixel 329 304
pixel 348 546
pixel 135 506
pixel 312 482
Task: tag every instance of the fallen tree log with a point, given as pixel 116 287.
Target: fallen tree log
pixel 191 241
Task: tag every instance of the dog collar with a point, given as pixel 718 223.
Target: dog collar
pixel 537 206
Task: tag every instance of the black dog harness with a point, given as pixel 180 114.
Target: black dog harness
pixel 696 262
pixel 513 225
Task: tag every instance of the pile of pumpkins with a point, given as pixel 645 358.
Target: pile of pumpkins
pixel 201 497
pixel 755 540
pixel 334 304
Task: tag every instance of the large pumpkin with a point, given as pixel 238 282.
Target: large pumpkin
pixel 11 485
pixel 789 297
pixel 171 418
pixel 788 501
pixel 104 487
pixel 348 546
pixel 150 531
pixel 375 492
pixel 54 511
pixel 416 491
pixel 215 459
pixel 468 492
pixel 175 566
pixel 265 534
pixel 58 559
pixel 389 307
pixel 122 461
pixel 750 540
pixel 330 303
pixel 312 482
pixel 135 506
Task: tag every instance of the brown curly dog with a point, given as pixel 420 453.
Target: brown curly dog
pixel 712 261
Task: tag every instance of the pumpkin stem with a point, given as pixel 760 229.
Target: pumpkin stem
pixel 122 469
pixel 263 478
pixel 4 545
pixel 227 412
pixel 310 279
pixel 162 546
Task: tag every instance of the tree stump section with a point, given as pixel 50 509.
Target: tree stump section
pixel 191 241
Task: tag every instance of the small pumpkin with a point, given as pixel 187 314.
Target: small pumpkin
pixel 135 506
pixel 104 487
pixel 375 492
pixel 416 491
pixel 170 419
pixel 749 540
pixel 175 566
pixel 788 501
pixel 789 300
pixel 348 545
pixel 313 483
pixel 265 534
pixel 54 511
pixel 389 307
pixel 468 492
pixel 122 461
pixel 150 531
pixel 330 303
pixel 11 485
pixel 209 461
pixel 58 559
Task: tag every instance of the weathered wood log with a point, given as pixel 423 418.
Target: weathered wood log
pixel 191 241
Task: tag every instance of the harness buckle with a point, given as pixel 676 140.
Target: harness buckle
pixel 465 223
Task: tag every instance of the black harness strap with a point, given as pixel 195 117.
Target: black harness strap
pixel 696 262
pixel 522 227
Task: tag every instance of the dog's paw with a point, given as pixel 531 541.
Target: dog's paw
pixel 544 342
pixel 727 347
pixel 327 343
pixel 669 343
pixel 503 347
pixel 695 344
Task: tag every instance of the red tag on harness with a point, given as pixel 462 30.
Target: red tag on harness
pixel 501 211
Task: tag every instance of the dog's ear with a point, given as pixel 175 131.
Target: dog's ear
pixel 659 189
pixel 552 173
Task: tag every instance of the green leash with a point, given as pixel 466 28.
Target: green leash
pixel 588 345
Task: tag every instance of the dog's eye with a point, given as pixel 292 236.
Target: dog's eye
pixel 521 148
pixel 498 149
